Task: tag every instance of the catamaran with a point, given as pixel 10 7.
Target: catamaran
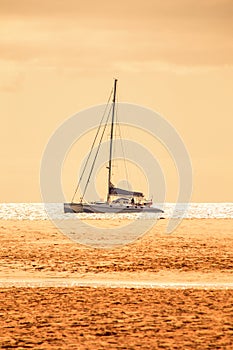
pixel 118 200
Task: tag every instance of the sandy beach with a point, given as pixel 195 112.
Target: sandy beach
pixel 162 291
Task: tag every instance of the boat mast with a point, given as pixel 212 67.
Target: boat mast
pixel 111 140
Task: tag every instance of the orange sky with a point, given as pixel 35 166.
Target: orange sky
pixel 175 57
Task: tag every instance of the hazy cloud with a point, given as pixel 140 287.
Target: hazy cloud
pixel 130 8
pixel 88 35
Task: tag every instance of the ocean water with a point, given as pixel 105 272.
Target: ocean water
pixel 38 211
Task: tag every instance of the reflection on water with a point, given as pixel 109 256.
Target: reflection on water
pixel 36 211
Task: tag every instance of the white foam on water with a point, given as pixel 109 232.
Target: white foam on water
pixel 106 283
pixel 37 211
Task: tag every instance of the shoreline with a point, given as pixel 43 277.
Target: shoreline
pixel 198 246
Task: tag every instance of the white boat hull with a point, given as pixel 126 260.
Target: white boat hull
pixel 108 208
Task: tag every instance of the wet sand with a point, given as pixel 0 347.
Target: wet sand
pixel 178 289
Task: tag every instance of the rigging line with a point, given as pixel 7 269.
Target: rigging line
pixel 123 150
pixel 97 151
pixel 93 144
